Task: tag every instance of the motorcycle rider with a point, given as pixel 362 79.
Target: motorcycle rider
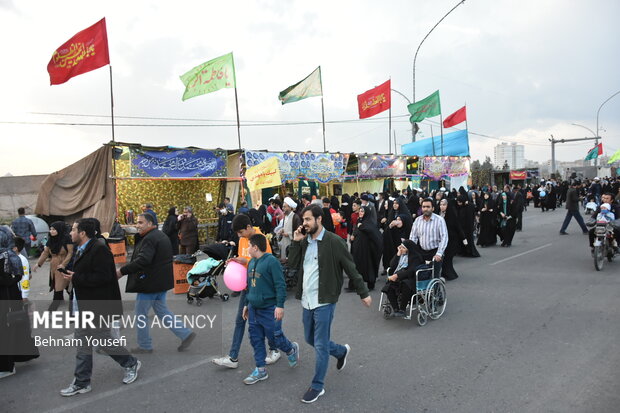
pixel 615 209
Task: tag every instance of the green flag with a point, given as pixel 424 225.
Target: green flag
pixel 307 88
pixel 208 77
pixel 425 108
pixel 592 153
pixel 615 157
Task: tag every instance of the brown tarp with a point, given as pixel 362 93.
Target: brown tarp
pixel 82 189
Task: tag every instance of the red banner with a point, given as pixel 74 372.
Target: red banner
pixel 456 118
pixel 86 51
pixel 374 101
pixel 518 175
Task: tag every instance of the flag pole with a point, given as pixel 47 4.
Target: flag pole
pixel 390 123
pixel 323 113
pixel 389 132
pixel 112 103
pixel 432 139
pixel 441 126
pixel 238 123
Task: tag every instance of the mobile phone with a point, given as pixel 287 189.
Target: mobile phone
pixel 63 270
pixel 303 230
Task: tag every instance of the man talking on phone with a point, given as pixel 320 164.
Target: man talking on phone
pixel 320 257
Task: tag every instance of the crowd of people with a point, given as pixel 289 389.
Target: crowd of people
pixel 363 235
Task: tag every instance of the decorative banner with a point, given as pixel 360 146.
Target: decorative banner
pixel 437 168
pixel 416 181
pixel 264 175
pixel 322 167
pixel 185 163
pixel 518 175
pixel 456 182
pixel 381 166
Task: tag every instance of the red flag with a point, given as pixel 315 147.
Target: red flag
pixel 600 149
pixel 86 51
pixel 374 100
pixel 456 118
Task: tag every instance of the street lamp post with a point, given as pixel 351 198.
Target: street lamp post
pixel 409 102
pixel 595 135
pixel 597 115
pixel 418 49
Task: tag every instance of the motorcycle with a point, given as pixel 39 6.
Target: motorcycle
pixel 605 246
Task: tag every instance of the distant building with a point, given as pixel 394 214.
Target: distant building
pixel 510 153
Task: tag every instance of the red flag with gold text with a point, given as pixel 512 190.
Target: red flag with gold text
pixel 374 100
pixel 86 51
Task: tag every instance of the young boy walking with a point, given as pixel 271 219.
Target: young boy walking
pixel 264 308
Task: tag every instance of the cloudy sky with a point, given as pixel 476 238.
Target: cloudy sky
pixel 526 69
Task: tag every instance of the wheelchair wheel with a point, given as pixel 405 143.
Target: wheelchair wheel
pixel 224 297
pixel 436 299
pixel 198 302
pixel 422 318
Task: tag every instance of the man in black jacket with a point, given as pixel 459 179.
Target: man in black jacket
pixel 95 289
pixel 572 209
pixel 150 275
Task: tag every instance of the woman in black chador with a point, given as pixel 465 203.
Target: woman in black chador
pixel 456 237
pixel 366 247
pixel 506 215
pixel 488 230
pixel 385 215
pixel 170 228
pixel 467 216
pixel 397 229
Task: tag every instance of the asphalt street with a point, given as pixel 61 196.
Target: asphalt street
pixel 532 328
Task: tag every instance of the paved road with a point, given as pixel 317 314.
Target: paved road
pixel 532 328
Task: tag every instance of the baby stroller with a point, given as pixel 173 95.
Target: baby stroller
pixel 202 278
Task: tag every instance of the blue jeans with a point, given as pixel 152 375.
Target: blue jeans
pixel 578 218
pixel 144 302
pixel 263 324
pixel 240 330
pixel 317 330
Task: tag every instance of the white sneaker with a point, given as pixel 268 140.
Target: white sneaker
pixel 272 357
pixel 4 374
pixel 225 362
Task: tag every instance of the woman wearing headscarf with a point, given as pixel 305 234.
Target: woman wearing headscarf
pixel 334 203
pixel 467 216
pixel 456 238
pixel 366 247
pixel 346 206
pixel 439 195
pixel 171 230
pixel 506 217
pixel 488 230
pixel 59 249
pixel 401 279
pixel 16 343
pixel 385 215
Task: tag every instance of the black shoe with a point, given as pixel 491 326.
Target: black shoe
pixel 186 343
pixel 140 350
pixel 563 233
pixel 342 361
pixel 312 395
pixel 54 305
pixel 235 294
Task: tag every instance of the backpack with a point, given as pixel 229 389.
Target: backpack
pixel 6 275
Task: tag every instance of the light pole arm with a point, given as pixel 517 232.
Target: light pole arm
pixel 599 110
pixel 585 127
pixel 427 34
pixel 406 98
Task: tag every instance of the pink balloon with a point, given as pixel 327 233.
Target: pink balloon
pixel 236 276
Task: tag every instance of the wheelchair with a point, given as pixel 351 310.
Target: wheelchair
pixel 429 299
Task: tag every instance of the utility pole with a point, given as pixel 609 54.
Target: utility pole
pixel 554 141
